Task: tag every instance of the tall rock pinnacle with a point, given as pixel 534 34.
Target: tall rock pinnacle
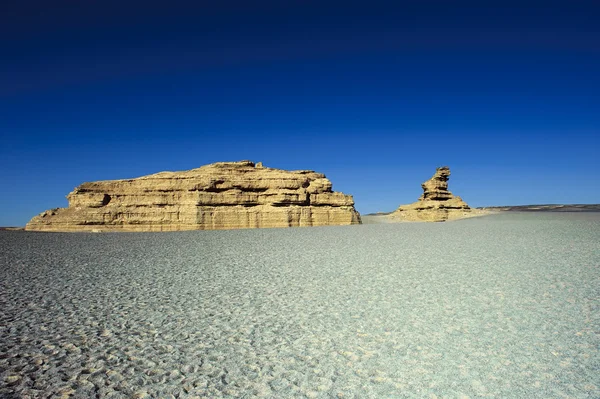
pixel 436 204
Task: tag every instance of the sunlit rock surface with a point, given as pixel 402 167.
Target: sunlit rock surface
pixel 436 204
pixel 223 195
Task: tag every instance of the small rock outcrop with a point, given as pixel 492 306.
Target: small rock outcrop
pixel 436 204
pixel 223 195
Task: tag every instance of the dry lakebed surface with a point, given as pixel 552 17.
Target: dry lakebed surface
pixel 501 306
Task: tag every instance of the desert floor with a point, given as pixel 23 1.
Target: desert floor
pixel 504 306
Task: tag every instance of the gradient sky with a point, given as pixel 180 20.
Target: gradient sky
pixel 375 95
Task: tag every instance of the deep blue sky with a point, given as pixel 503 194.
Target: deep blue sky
pixel 373 94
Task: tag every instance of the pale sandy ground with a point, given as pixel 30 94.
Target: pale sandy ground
pixel 505 306
pixel 377 219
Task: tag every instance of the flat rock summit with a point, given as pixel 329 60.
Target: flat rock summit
pixel 436 204
pixel 223 195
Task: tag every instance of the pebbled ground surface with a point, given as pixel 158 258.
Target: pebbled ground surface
pixel 503 306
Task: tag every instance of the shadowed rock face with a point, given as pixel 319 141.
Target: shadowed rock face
pixel 436 204
pixel 223 195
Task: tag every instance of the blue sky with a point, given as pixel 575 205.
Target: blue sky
pixel 375 95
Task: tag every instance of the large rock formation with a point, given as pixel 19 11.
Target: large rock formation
pixel 437 204
pixel 224 195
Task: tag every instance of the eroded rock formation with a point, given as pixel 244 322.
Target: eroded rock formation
pixel 436 204
pixel 224 195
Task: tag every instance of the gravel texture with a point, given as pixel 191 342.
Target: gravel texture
pixel 503 306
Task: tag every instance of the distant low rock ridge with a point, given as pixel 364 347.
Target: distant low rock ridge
pixel 223 195
pixel 437 204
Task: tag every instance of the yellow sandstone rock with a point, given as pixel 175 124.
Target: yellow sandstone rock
pixel 223 195
pixel 436 204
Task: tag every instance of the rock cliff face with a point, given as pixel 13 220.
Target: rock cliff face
pixel 437 204
pixel 224 195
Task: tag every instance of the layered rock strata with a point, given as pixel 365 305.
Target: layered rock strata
pixel 224 195
pixel 436 204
